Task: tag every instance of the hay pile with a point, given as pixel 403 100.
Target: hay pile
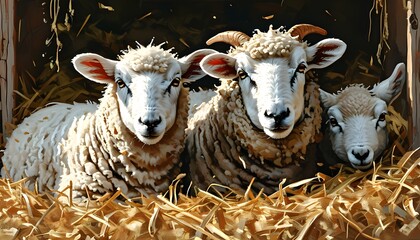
pixel 382 203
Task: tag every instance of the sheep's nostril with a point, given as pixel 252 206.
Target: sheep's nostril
pixel 268 115
pixel 360 156
pixel 283 115
pixel 155 122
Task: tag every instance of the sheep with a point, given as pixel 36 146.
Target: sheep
pixel 131 140
pixel 356 119
pixel 263 115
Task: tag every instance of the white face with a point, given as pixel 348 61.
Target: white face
pixel 148 100
pixel 361 136
pixel 359 139
pixel 273 88
pixel 273 91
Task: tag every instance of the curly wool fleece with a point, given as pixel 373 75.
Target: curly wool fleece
pixel 225 148
pixel 114 158
pixel 273 43
pixel 99 153
pixel 150 58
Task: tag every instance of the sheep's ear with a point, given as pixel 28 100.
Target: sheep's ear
pixel 325 52
pixel 95 67
pixel 190 65
pixel 389 89
pixel 327 99
pixel 219 65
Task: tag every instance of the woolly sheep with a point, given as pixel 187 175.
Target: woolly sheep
pixel 357 124
pixel 131 140
pixel 263 116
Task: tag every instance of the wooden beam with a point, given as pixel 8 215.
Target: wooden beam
pixel 7 59
pixel 413 72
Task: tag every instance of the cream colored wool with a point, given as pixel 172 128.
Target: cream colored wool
pixel 37 138
pixel 109 156
pixel 226 149
pixel 99 153
pixel 355 100
pixel 150 58
pixel 273 43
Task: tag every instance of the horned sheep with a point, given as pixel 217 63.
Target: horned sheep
pixel 357 119
pixel 264 114
pixel 131 140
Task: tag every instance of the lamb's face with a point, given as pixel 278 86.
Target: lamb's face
pixel 357 119
pixel 358 127
pixel 148 100
pixel 147 82
pixel 273 91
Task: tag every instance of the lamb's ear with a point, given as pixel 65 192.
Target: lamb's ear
pixel 390 88
pixel 95 67
pixel 327 99
pixel 325 52
pixel 190 65
pixel 219 65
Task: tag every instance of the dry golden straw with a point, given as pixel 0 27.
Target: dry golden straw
pixel 382 203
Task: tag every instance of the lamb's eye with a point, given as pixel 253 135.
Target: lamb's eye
pixel 242 74
pixel 333 122
pixel 382 117
pixel 381 123
pixel 301 68
pixel 121 83
pixel 176 81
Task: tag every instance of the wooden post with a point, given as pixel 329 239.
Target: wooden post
pixel 413 70
pixel 7 59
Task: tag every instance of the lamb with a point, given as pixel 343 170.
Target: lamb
pixel 263 116
pixel 357 123
pixel 131 140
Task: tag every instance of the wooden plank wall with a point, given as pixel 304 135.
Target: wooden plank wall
pixel 7 59
pixel 413 70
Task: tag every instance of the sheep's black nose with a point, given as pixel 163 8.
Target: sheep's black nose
pixel 150 123
pixel 278 118
pixel 361 155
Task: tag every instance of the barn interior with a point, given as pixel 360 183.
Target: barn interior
pixel 50 33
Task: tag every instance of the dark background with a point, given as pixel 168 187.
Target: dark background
pixel 186 25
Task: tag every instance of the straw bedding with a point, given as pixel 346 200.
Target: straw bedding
pixel 382 203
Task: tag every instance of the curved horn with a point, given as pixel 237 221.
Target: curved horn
pixel 301 30
pixel 234 38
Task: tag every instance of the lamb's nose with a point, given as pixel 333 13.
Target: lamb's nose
pixel 361 154
pixel 150 123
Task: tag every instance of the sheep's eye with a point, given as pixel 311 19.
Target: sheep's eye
pixel 382 117
pixel 176 81
pixel 381 120
pixel 301 68
pixel 242 74
pixel 121 83
pixel 333 122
